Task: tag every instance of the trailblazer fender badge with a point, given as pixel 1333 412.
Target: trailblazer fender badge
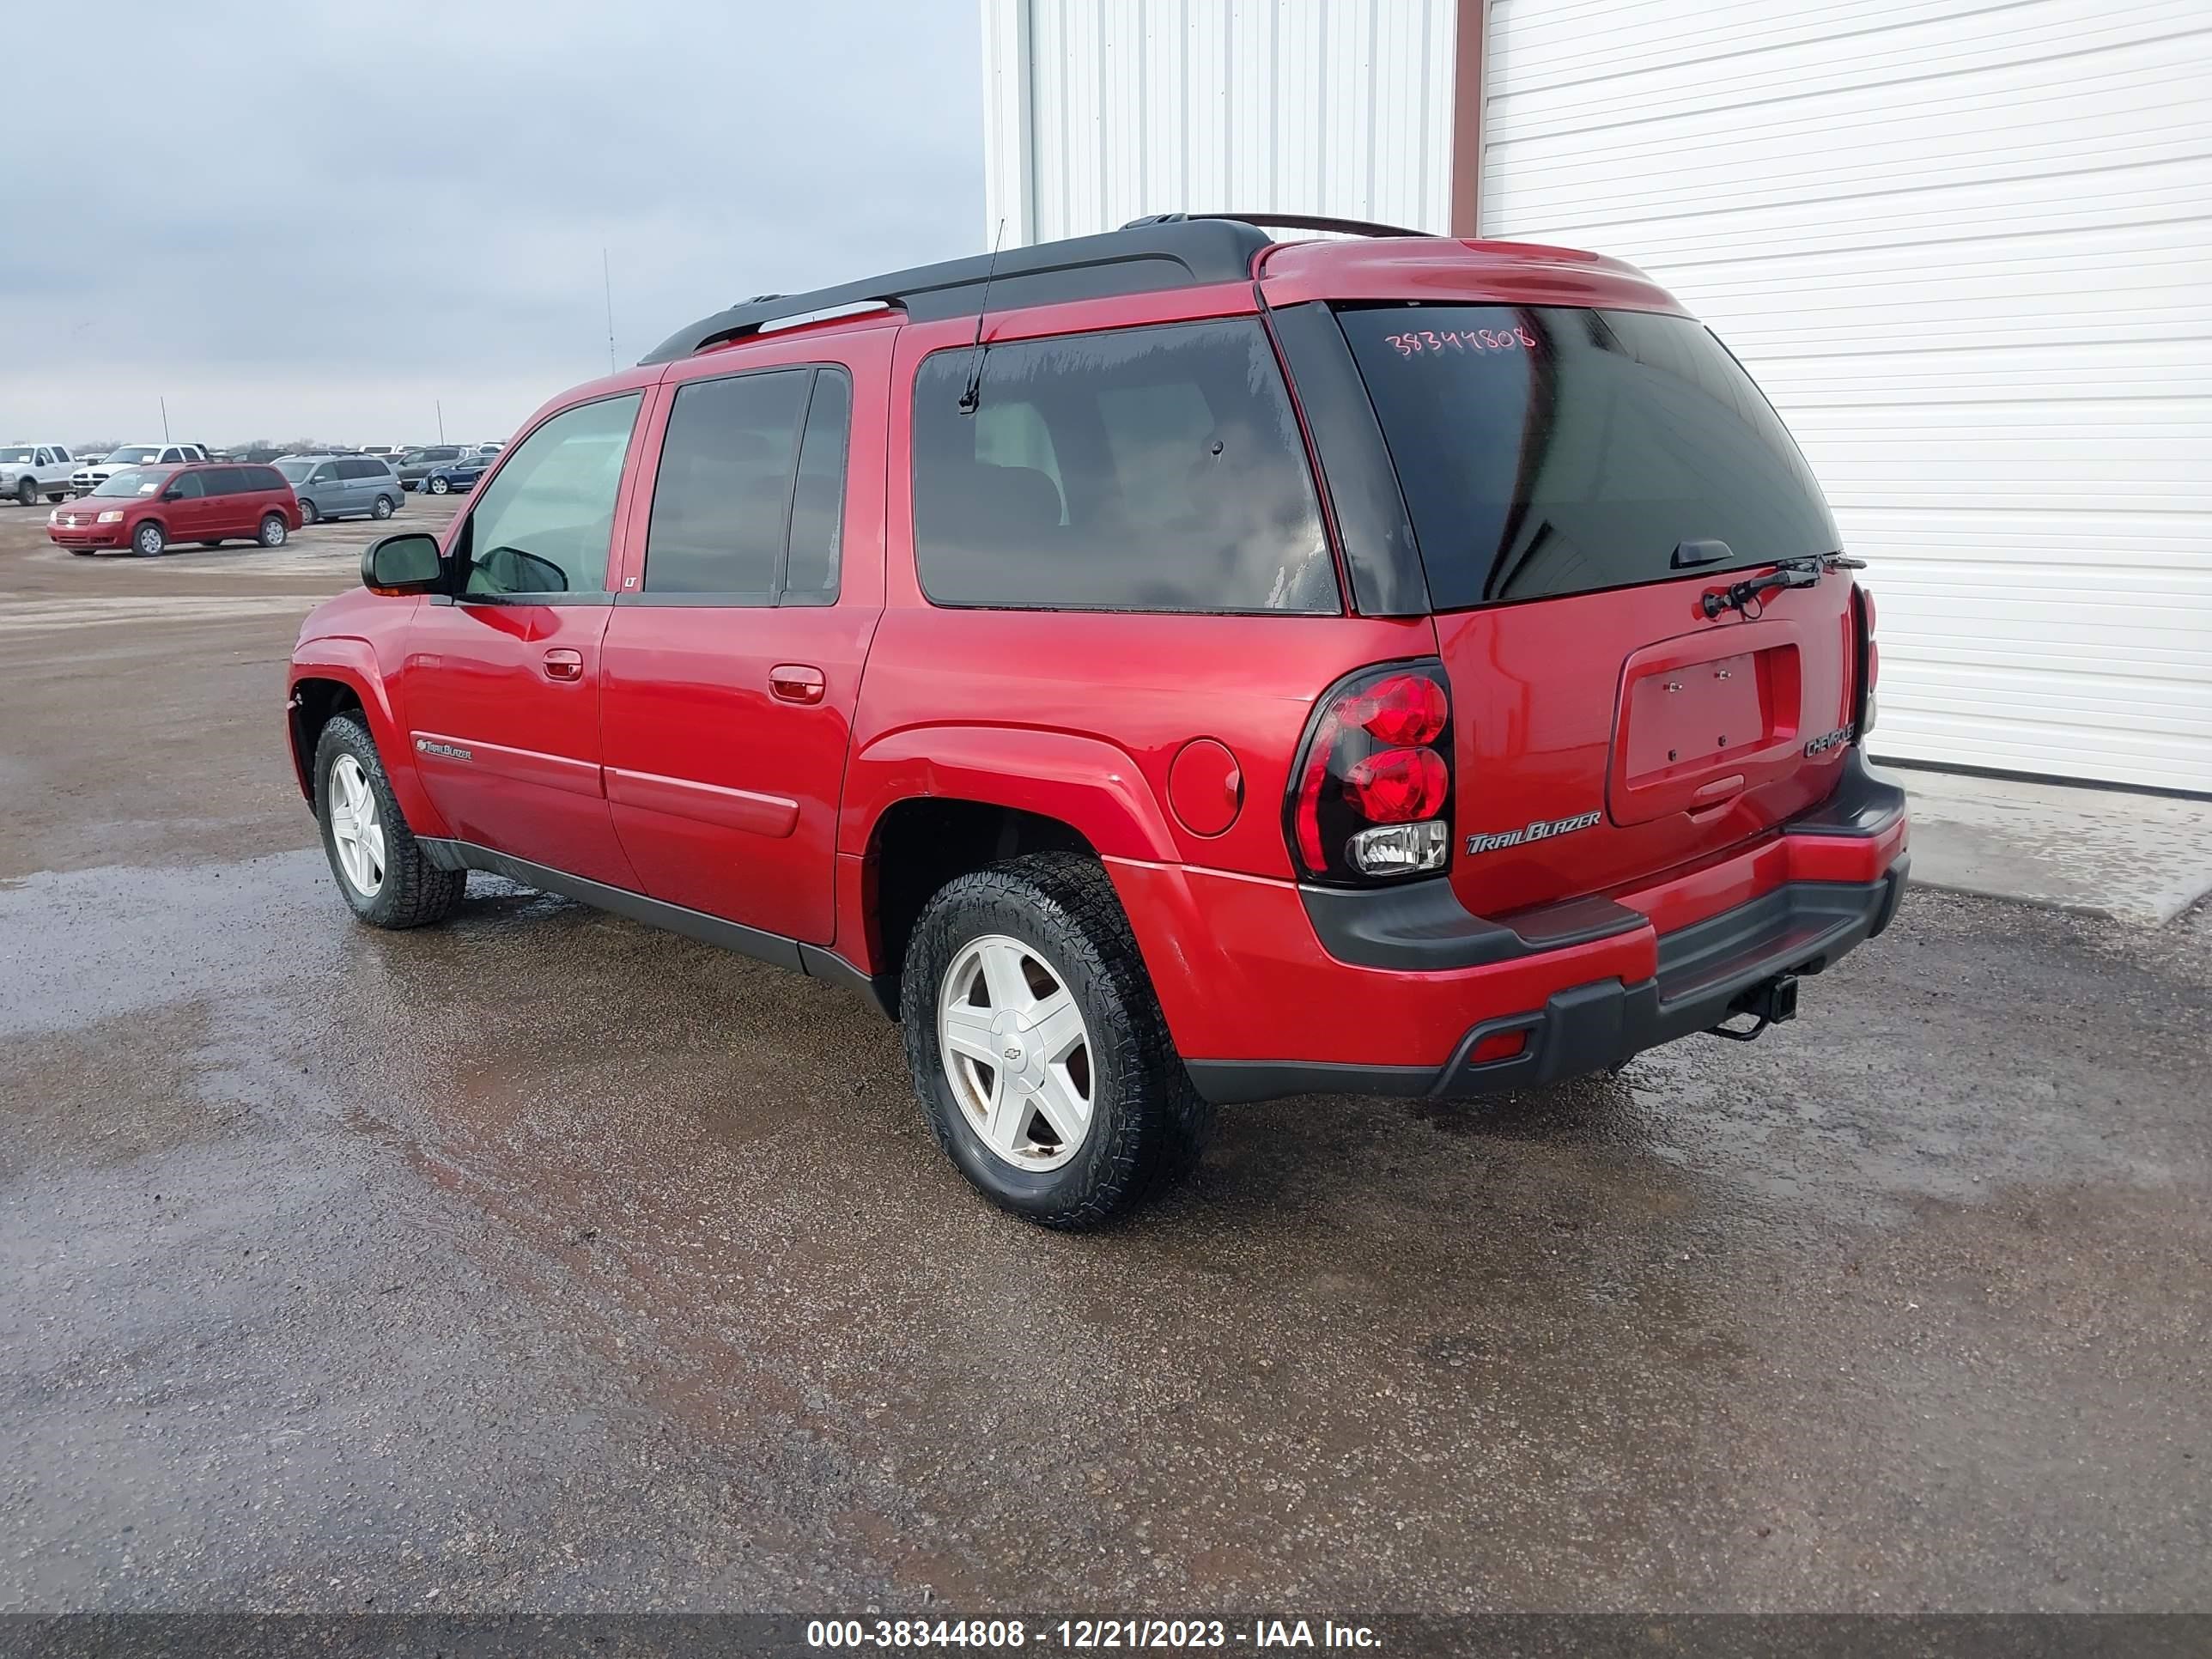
pixel 1542 829
pixel 451 751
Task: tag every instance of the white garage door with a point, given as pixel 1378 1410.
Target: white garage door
pixel 1967 249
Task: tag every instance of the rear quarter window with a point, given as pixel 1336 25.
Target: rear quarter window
pixel 1152 469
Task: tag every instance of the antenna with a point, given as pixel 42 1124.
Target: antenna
pixel 972 398
pixel 606 275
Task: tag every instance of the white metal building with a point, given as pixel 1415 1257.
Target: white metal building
pixel 1966 248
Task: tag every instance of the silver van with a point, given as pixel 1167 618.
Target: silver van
pixel 342 486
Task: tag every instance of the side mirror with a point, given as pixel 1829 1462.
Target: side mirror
pixel 173 494
pixel 405 563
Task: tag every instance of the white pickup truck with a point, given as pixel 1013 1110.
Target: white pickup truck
pixel 30 470
pixel 86 479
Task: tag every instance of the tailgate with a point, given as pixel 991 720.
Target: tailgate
pixel 1579 481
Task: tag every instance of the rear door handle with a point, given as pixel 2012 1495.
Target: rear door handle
pixel 796 683
pixel 564 665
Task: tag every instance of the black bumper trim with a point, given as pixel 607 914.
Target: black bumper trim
pixel 1422 927
pixel 1802 927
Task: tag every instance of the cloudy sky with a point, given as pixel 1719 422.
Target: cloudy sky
pixel 292 219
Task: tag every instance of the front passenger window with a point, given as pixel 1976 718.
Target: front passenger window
pixel 544 522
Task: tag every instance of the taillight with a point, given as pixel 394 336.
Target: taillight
pixel 1371 796
pixel 1870 662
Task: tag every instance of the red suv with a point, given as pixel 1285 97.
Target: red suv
pixel 146 508
pixel 1161 669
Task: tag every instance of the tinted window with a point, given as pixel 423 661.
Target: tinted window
pixel 1155 469
pixel 1545 450
pixel 542 526
pixel 818 505
pixel 722 496
pixel 264 477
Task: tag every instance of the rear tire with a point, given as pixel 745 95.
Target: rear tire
pixel 273 531
pixel 400 888
pixel 1058 915
pixel 148 542
pixel 383 509
pixel 58 500
pixel 310 514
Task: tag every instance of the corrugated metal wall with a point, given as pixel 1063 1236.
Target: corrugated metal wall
pixel 1137 107
pixel 1967 250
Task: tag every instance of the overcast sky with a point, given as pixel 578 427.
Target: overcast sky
pixel 296 220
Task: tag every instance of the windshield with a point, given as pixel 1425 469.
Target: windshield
pixel 15 456
pixel 294 471
pixel 1550 450
pixel 134 480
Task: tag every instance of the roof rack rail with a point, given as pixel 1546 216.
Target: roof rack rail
pixel 1173 251
pixel 1287 221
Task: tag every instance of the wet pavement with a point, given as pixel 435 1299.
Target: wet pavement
pixel 542 1260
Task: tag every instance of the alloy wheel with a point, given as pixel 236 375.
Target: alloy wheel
pixel 1015 1051
pixel 356 826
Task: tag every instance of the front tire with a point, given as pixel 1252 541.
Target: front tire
pixel 382 869
pixel 273 531
pixel 27 491
pixel 148 542
pixel 1038 1049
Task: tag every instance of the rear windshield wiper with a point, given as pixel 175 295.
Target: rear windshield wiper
pixel 1805 571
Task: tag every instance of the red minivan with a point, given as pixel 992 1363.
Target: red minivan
pixel 148 509
pixel 1162 669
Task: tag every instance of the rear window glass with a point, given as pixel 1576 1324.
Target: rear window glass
pixel 1152 469
pixel 1546 451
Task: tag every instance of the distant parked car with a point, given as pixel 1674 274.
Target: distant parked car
pixel 341 486
pixel 30 470
pixel 488 450
pixel 415 466
pixel 145 509
pixel 88 478
pixel 453 477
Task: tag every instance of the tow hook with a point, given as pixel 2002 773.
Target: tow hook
pixel 1768 1004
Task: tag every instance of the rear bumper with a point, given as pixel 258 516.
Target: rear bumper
pixel 1396 1000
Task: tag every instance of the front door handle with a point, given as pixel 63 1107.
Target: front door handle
pixel 564 665
pixel 796 683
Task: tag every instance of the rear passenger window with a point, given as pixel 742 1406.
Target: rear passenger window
pixel 818 505
pixel 1153 469
pixel 748 496
pixel 218 481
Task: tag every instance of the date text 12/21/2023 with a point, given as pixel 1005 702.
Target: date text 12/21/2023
pixel 1088 1635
